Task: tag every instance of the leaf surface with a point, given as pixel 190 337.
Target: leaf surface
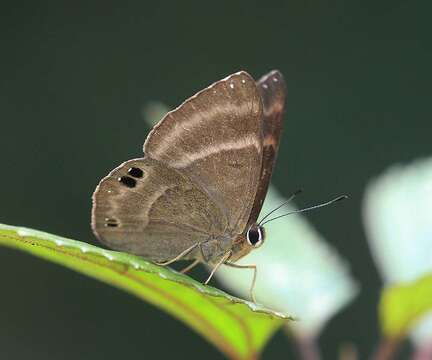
pixel 239 328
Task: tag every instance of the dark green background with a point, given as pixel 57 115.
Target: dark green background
pixel 73 80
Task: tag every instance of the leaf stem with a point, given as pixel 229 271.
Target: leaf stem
pixel 423 351
pixel 306 345
pixel 386 349
pixel 307 348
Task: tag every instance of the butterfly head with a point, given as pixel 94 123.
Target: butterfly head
pixel 250 240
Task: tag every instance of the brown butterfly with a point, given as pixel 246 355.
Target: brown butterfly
pixel 197 192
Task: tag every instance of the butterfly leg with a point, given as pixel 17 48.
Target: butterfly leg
pixel 221 261
pixel 179 256
pixel 251 266
pixel 190 266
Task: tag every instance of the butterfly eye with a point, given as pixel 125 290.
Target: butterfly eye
pixel 255 236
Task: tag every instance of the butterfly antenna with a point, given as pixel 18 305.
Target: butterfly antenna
pixel 295 193
pixel 339 198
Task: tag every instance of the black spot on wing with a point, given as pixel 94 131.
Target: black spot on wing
pixel 127 181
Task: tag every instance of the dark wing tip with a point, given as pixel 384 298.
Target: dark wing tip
pixel 271 79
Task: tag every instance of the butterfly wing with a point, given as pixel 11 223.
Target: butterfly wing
pixel 272 90
pixel 197 180
pixel 146 208
pixel 215 139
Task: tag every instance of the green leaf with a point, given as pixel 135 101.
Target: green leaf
pixel 237 327
pixel 401 306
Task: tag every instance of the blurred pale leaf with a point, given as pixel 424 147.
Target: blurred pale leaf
pixel 238 328
pixel 401 306
pixel 153 111
pixel 298 272
pixel 397 212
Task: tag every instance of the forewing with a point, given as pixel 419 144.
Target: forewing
pixel 215 139
pixel 145 208
pixel 272 89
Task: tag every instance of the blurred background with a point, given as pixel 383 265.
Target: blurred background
pixel 74 78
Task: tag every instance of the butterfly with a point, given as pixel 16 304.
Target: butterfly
pixel 197 192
